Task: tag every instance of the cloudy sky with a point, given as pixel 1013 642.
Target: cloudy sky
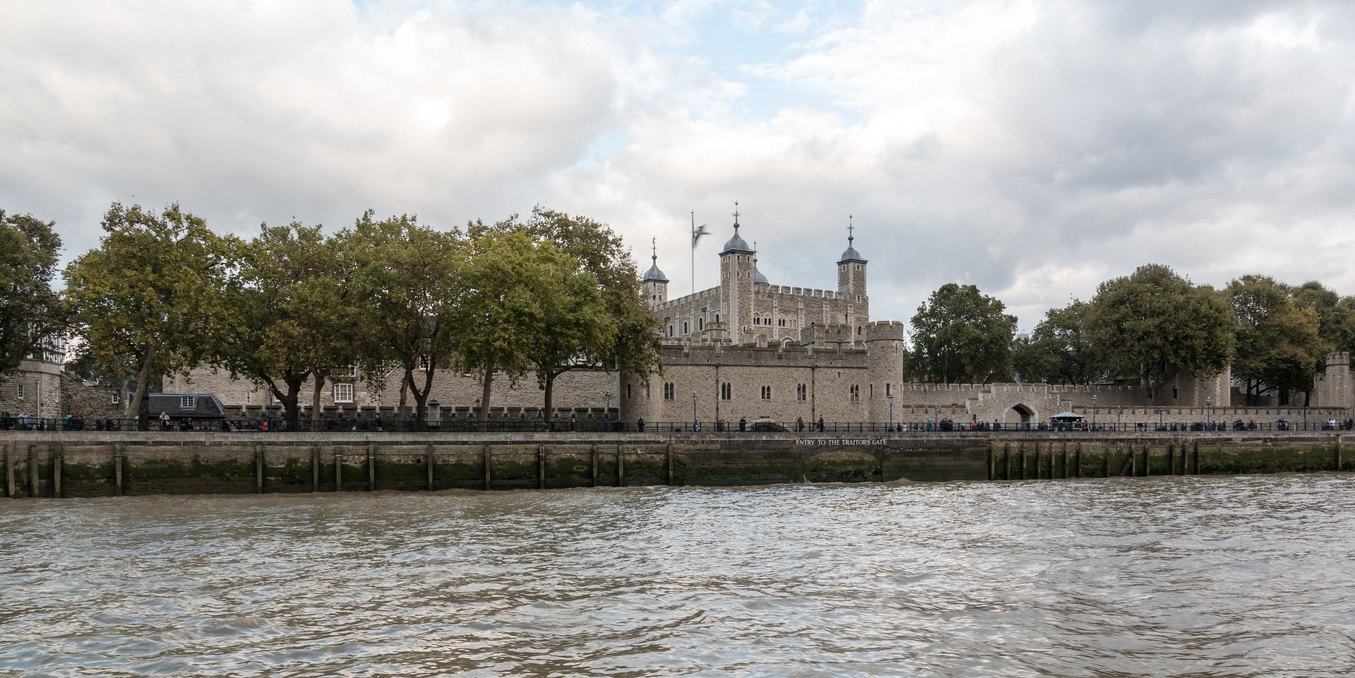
pixel 1030 148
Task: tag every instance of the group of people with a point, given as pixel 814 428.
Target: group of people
pixel 22 422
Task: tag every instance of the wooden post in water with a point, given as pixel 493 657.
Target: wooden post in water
pixel 1077 457
pixel 1007 461
pixel 56 470
pixel 428 461
pixel 1147 462
pixel 1338 451
pixel 258 468
pixel 32 471
pixel 117 475
pixel 1133 462
pixel 1021 449
pixel 338 472
pixel 371 468
pixel 1171 458
pixel 489 484
pixel 594 454
pixel 540 467
pixel 1037 461
pixel 315 469
pixel 1105 463
pixel 990 460
pixel 668 462
pixel 1197 457
pixel 9 471
pixel 620 468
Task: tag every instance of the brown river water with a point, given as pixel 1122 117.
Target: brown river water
pixel 1206 576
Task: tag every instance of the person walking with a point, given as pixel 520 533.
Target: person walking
pixel 164 421
pixel 799 424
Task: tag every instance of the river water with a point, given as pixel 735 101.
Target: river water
pixel 1226 576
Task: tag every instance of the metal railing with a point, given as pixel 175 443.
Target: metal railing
pixel 377 425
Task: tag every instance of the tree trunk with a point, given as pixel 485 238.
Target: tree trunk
pixel 550 390
pixel 320 376
pixel 484 396
pixel 142 400
pixel 421 398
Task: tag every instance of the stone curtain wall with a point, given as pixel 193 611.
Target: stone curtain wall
pixel 41 383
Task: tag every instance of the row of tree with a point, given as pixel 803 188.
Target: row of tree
pixel 1145 327
pixel 163 293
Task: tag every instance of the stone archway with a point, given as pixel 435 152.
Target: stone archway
pixel 1024 414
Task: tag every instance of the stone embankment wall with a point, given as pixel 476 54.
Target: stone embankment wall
pixel 108 464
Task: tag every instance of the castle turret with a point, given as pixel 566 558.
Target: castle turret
pixel 1334 385
pixel 851 285
pixel 736 285
pixel 655 283
pixel 884 366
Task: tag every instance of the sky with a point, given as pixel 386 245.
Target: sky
pixel 1034 149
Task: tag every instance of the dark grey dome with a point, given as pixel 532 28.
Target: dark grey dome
pixel 758 277
pixel 736 244
pixel 655 275
pixel 851 255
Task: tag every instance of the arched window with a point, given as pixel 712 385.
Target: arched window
pixel 700 323
pixel 684 327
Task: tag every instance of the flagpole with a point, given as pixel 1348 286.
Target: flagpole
pixel 693 252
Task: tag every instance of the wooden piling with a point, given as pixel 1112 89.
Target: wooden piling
pixel 1021 450
pixel 620 468
pixel 1338 451
pixel 989 460
pixel 1037 461
pixel 668 463
pixel 489 484
pixel 1007 461
pixel 1133 462
pixel 594 463
pixel 428 461
pixel 33 471
pixel 1065 460
pixel 1077 460
pixel 117 475
pixel 371 468
pixel 258 468
pixel 1197 458
pixel 540 467
pixel 315 469
pixel 57 458
pixel 1171 459
pixel 338 472
pixel 9 471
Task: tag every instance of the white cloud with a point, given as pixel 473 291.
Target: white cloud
pixel 1032 148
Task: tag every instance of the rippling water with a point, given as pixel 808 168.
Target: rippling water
pixel 1244 576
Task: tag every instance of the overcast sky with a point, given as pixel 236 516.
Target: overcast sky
pixel 1031 148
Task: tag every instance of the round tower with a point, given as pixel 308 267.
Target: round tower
pixel 655 283
pixel 884 367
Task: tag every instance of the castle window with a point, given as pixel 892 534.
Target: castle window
pixel 670 330
pixel 684 327
pixel 1173 393
pixel 343 393
pixel 700 323
pixel 117 397
pixel 20 391
pixel 766 393
pixel 669 391
pixel 726 391
pixel 887 390
pixel 627 391
pixel 353 371
pixel 717 317
pixel 858 298
pixel 187 402
pixel 801 392
pixel 855 392
pixel 858 330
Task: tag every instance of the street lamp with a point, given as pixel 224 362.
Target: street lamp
pixel 891 411
pixel 695 428
pixel 1208 413
pixel 607 412
pixel 1093 412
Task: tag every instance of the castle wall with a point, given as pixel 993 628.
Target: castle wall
pixel 40 383
pixel 1333 388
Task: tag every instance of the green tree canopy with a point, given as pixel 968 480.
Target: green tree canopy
pixel 1278 345
pixel 1155 323
pixel 1335 314
pixel 1060 348
pixel 149 294
pixel 285 315
pixel 30 311
pixel 601 320
pixel 411 288
pixel 962 335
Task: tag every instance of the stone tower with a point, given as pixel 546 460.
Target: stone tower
pixel 884 367
pixel 851 285
pixel 655 283
pixel 1333 385
pixel 736 285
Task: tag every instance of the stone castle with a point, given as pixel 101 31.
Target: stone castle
pixel 745 349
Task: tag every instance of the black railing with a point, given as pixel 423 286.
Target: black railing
pixel 377 425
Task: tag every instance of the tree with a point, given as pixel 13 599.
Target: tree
pixel 30 312
pixel 1278 345
pixel 1335 314
pixel 1060 348
pixel 1155 323
pixel 509 282
pixel 285 315
pixel 409 279
pixel 962 335
pixel 149 295
pixel 601 320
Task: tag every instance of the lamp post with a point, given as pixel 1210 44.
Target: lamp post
pixel 891 411
pixel 1119 416
pixel 694 426
pixel 1093 412
pixel 1208 413
pixel 607 412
